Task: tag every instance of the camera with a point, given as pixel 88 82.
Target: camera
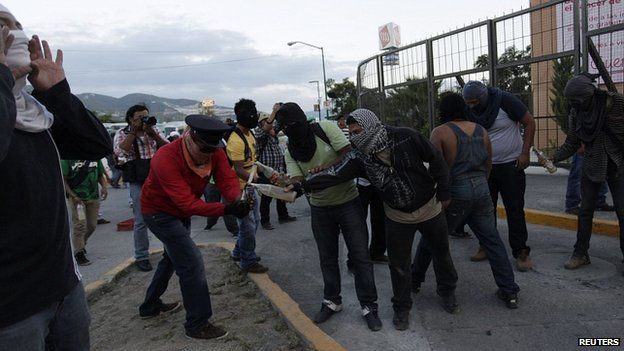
pixel 149 120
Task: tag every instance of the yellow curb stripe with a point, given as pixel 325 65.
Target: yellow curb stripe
pixel 290 310
pixel 287 307
pixel 565 221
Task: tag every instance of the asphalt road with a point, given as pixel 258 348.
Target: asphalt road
pixel 556 306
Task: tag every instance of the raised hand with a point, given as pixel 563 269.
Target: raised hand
pixel 46 71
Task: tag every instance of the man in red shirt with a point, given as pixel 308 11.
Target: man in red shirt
pixel 171 194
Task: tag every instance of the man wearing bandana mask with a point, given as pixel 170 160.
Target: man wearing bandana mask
pixel 42 300
pixel 502 114
pixel 241 150
pixel 392 159
pixel 596 122
pixel 334 209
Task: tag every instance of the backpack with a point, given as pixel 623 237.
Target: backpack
pixel 319 132
pixel 247 150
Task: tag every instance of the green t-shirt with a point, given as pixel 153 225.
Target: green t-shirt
pixel 88 189
pixel 324 155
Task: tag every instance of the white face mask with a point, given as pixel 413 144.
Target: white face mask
pixel 18 54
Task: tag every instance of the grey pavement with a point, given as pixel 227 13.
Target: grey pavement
pixel 556 306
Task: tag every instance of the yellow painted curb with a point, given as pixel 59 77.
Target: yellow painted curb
pixel 565 221
pixel 290 310
pixel 287 307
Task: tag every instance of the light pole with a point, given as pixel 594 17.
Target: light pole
pixel 324 77
pixel 318 93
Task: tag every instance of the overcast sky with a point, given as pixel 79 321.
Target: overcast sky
pixel 233 48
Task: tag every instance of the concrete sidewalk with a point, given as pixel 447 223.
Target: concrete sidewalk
pixel 556 306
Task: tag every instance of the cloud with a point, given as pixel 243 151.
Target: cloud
pixel 191 63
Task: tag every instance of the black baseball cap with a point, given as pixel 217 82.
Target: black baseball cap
pixel 209 129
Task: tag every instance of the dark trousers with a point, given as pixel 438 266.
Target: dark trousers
pixel 370 198
pixel 182 256
pixel 573 191
pixel 399 241
pixel 211 194
pixel 510 182
pixel 327 222
pixel 589 194
pixel 472 204
pixel 265 209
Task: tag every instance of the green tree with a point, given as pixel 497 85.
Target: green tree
pixel 408 106
pixel 514 79
pixel 344 95
pixel 563 71
pixel 105 118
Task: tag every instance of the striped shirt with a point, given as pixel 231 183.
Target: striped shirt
pixel 147 146
pixel 269 151
pixel 603 148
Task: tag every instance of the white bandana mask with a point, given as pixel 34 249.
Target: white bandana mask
pixel 32 116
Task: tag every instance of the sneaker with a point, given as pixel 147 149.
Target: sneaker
pixel 81 258
pixel 523 261
pixel 605 207
pixel 328 309
pixel 164 308
pixel 372 317
pixel 460 235
pixel 401 320
pixel 573 211
pixel 379 259
pixel 450 304
pixel 237 258
pixel 267 226
pixel 576 261
pixel 415 286
pixel 255 268
pixel 510 300
pixel 103 221
pixel 479 256
pixel 208 331
pixel 144 265
pixel 286 219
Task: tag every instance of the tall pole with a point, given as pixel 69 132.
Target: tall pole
pixel 324 84
pixel 291 43
pixel 318 94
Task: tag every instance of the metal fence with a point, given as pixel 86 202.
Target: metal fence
pixel 535 52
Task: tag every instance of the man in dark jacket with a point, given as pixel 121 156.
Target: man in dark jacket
pixel 392 159
pixel 42 301
pixel 596 122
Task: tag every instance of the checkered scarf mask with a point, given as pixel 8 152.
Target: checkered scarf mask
pixel 374 137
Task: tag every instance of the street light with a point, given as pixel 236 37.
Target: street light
pixel 318 93
pixel 291 43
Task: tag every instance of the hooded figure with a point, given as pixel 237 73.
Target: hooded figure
pixel 294 123
pixel 374 137
pixel 589 103
pixel 486 111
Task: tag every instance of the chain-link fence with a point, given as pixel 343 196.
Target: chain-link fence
pixel 536 51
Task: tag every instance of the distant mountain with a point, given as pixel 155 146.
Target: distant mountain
pixel 164 109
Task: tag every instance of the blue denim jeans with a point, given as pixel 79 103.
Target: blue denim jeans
pixel 141 240
pixel 327 222
pixel 246 242
pixel 471 203
pixel 573 192
pixel 64 325
pixel 182 256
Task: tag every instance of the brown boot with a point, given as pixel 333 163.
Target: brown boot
pixel 576 261
pixel 479 256
pixel 524 261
